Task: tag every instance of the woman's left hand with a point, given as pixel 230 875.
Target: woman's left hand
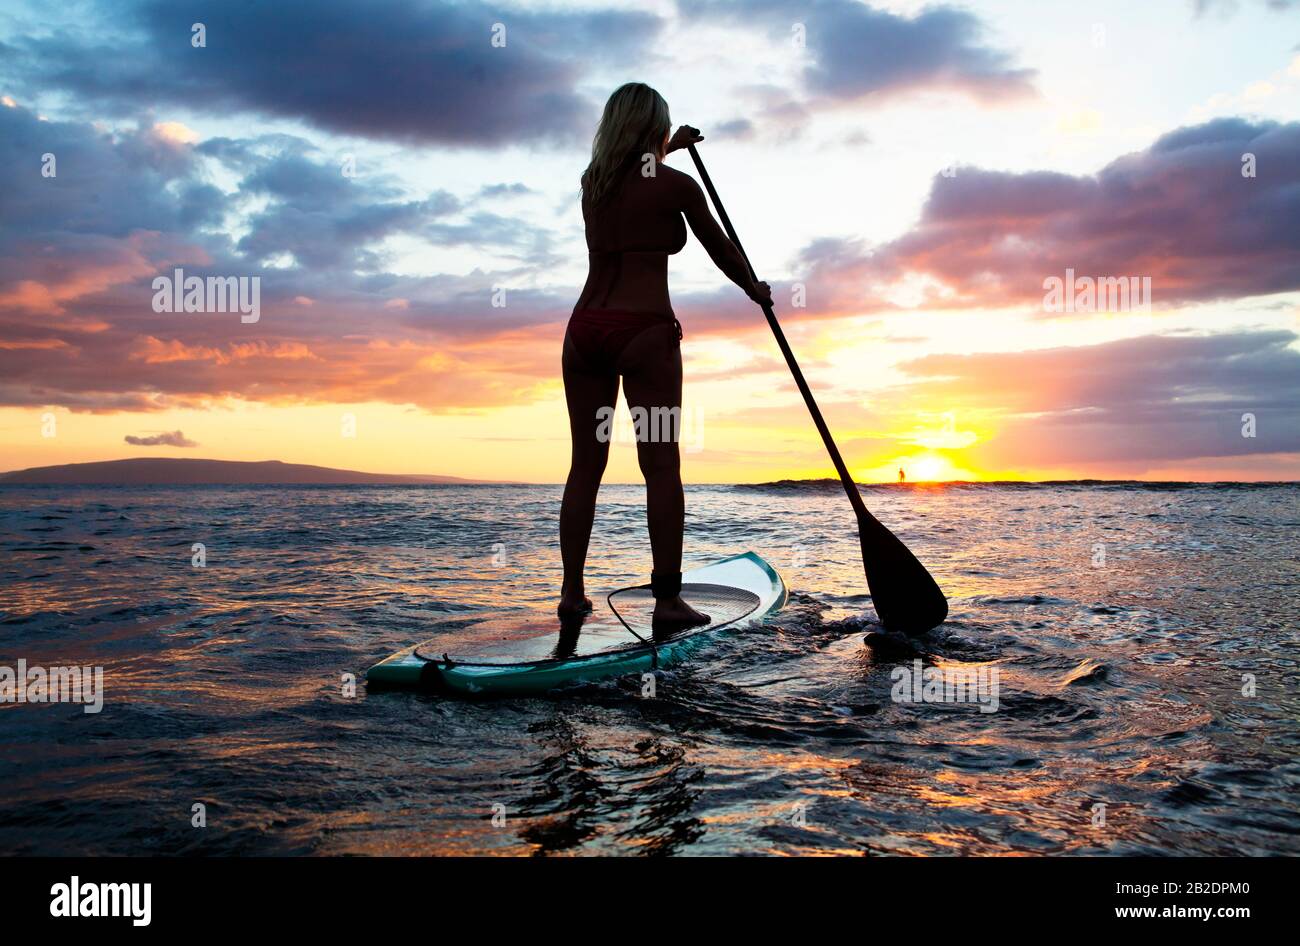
pixel 685 135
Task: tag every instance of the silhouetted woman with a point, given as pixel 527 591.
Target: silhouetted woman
pixel 623 325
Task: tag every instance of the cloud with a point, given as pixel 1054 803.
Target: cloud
pixel 419 72
pixel 79 250
pixel 1180 211
pixel 316 215
pixel 857 52
pixel 514 189
pixel 739 129
pixel 171 439
pixel 1227 8
pixel 1151 399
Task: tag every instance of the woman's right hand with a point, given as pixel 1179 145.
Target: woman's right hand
pixel 761 293
pixel 684 137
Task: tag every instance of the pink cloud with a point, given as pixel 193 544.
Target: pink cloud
pixel 1180 212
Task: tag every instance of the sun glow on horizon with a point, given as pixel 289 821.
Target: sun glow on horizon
pixel 928 467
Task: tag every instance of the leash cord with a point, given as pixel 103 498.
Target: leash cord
pixel 654 651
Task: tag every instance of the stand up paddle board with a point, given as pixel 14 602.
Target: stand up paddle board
pixel 526 654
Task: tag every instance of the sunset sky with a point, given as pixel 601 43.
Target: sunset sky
pixel 918 169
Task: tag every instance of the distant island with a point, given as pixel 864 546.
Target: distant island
pixel 153 471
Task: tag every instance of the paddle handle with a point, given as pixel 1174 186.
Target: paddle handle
pixel 850 487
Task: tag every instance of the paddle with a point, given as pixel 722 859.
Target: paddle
pixel 906 597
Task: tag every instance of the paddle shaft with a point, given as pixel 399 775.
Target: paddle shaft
pixel 849 486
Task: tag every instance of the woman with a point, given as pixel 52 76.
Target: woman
pixel 623 325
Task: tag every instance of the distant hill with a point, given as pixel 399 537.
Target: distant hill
pixel 151 471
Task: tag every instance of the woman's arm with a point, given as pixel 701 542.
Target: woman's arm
pixel 721 250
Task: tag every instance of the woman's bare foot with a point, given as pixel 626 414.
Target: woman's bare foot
pixel 675 611
pixel 572 606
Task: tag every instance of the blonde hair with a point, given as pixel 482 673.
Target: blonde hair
pixel 635 122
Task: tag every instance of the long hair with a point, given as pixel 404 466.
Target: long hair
pixel 635 122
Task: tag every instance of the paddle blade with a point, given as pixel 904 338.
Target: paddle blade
pixel 907 599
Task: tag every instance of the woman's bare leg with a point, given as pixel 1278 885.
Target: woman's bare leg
pixel 651 366
pixel 585 394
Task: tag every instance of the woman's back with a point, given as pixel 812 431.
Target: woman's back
pixel 633 230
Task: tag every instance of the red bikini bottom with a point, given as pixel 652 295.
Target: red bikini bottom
pixel 600 335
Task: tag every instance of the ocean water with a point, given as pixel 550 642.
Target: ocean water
pixel 1144 639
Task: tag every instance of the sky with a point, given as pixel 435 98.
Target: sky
pixel 402 178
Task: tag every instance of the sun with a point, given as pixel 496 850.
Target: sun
pixel 929 467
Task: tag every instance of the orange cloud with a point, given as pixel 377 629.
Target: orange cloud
pixel 155 351
pixel 89 265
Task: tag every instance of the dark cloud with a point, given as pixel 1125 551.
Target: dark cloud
pixel 323 218
pixel 421 72
pixel 108 185
pixel 1180 212
pixel 1142 400
pixel 172 438
pixel 110 211
pixel 857 51
pixel 515 189
pixel 738 128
